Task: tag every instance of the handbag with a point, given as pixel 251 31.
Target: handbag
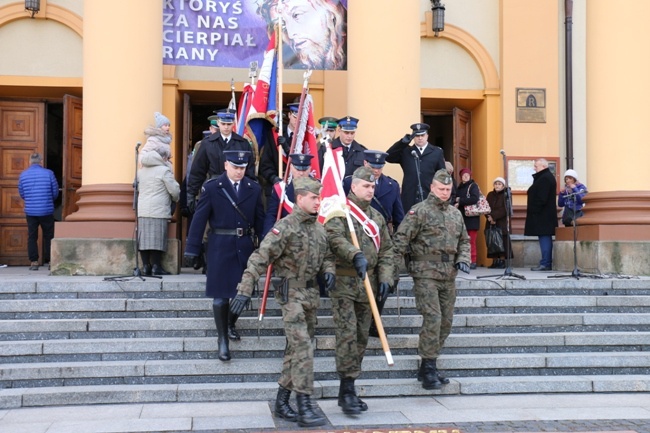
pixel 482 207
pixel 494 239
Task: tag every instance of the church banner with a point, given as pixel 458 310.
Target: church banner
pixel 222 33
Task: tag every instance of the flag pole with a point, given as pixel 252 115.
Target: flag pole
pixel 269 270
pixel 278 50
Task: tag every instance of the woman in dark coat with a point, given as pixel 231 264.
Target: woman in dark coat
pixel 499 216
pixel 541 212
pixel 467 194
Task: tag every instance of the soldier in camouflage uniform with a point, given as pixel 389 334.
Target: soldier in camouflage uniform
pixel 439 247
pixel 298 249
pixel 350 306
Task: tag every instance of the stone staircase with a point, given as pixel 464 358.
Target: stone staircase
pixel 68 341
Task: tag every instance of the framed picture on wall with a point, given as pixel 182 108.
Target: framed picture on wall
pixel 521 170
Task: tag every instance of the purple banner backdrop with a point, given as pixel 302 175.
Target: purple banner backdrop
pixel 222 33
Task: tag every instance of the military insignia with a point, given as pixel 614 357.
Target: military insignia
pixel 302 158
pixel 241 154
pixel 417 126
pixel 348 119
pixel 411 212
pixel 372 178
pixel 275 231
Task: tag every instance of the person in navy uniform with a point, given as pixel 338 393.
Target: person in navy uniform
pixel 269 158
pixel 300 167
pixel 352 150
pixel 431 159
pixel 209 158
pixel 232 204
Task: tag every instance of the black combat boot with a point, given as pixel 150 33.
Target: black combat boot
pixel 348 400
pixel 306 415
pixel 282 407
pixel 220 309
pixel 441 378
pixel 362 404
pixel 428 374
pixel 232 332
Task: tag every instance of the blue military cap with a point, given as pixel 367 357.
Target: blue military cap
pixel 419 128
pixel 238 158
pixel 206 134
pixel 293 107
pixel 348 123
pixel 301 161
pixel 376 158
pixel 226 115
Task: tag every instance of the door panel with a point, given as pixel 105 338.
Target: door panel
pixel 462 139
pixel 72 149
pixel 22 129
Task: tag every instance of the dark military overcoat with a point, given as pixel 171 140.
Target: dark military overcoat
pixel 353 160
pixel 227 253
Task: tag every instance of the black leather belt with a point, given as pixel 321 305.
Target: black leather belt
pixel 239 232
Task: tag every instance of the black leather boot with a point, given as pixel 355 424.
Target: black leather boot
pixel 362 404
pixel 348 400
pixel 306 415
pixel 441 378
pixel 158 270
pixel 220 310
pixel 232 332
pixel 282 407
pixel 428 374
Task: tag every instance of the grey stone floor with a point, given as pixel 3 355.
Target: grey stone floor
pixel 500 413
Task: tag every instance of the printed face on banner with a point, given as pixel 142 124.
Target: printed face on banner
pixel 232 34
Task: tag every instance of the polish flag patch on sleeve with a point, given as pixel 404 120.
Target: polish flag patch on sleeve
pixel 411 212
pixel 275 231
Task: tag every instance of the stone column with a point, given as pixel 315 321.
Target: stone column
pixel 122 88
pixel 616 225
pixel 383 69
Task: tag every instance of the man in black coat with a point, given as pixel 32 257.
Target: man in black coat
pixel 430 157
pixel 541 212
pixel 209 159
pixel 232 205
pixel 353 155
pixel 269 158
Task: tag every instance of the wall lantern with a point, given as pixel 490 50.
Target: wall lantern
pixel 33 6
pixel 438 21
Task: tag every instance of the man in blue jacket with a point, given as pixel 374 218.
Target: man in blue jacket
pixel 39 188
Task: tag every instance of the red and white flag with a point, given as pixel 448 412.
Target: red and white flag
pixel 333 199
pixel 306 142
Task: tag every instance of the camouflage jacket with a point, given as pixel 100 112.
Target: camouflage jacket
pixel 380 263
pixel 298 248
pixel 433 228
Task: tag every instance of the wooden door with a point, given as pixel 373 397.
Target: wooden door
pixel 462 139
pixel 22 132
pixel 72 148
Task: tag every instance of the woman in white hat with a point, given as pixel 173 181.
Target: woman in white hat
pixel 570 198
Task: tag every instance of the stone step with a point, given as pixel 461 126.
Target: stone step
pixel 180 307
pixel 325 389
pixel 267 369
pixel 113 349
pixel 204 326
pixel 193 286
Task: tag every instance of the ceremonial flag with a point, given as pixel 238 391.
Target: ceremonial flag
pixel 333 199
pixel 306 142
pixel 263 105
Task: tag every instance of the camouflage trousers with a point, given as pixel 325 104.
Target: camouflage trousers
pixel 299 318
pixel 352 321
pixel 434 300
